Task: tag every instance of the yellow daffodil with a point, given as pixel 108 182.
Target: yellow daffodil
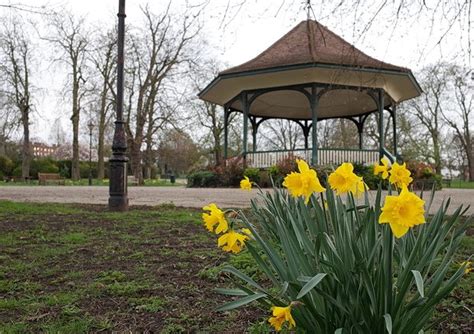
pixel 343 180
pixel 303 183
pixel 467 266
pixel 383 168
pixel 245 184
pixel 280 316
pixel 400 175
pixel 402 212
pixel 215 217
pixel 232 241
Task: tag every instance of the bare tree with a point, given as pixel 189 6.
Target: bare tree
pixel 16 67
pixel 428 107
pixel 103 61
pixel 460 119
pixel 71 39
pixel 157 50
pixel 281 134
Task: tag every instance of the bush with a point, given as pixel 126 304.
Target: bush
pixel 424 176
pixel 253 174
pixel 231 174
pixel 282 168
pixel 203 179
pixel 367 172
pixel 43 165
pixel 6 166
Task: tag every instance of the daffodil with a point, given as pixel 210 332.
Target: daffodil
pixel 246 231
pixel 400 175
pixel 245 184
pixel 280 315
pixel 215 217
pixel 232 241
pixel 467 266
pixel 402 212
pixel 343 180
pixel 383 168
pixel 303 183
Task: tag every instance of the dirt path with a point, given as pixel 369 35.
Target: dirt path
pixel 180 196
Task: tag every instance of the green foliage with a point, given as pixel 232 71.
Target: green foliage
pixel 345 269
pixel 6 166
pixel 253 174
pixel 203 179
pixel 367 173
pixel 43 165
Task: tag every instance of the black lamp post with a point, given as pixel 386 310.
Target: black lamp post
pixel 118 199
pixel 90 125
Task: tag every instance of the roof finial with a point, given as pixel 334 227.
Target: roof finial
pixel 309 10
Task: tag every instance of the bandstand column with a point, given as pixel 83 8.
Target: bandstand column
pixel 394 123
pixel 245 109
pixel 314 118
pixel 226 131
pixel 381 122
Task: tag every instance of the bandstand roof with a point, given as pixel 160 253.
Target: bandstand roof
pixel 311 53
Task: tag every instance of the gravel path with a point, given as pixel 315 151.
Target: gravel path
pixel 180 196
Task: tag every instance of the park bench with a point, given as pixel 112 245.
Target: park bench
pixel 44 178
pixel 132 180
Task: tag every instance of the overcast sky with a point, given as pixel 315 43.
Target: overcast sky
pixel 244 31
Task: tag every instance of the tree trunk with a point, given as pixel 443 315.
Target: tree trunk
pixel 148 158
pixel 436 154
pixel 101 133
pixel 136 157
pixel 26 151
pixel 75 171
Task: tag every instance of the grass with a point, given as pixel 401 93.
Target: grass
pixel 460 184
pixel 78 269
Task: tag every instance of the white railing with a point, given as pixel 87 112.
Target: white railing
pixel 326 156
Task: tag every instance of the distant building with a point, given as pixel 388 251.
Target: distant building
pixel 41 150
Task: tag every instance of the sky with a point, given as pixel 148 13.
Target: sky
pixel 238 32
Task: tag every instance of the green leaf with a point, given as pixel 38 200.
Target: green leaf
pixel 388 322
pixel 310 285
pixel 232 270
pixel 231 292
pixel 419 282
pixel 240 302
pixel 338 331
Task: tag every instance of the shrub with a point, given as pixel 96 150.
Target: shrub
pixel 231 174
pixel 253 174
pixel 424 175
pixel 6 165
pixel 43 165
pixel 339 270
pixel 282 168
pixel 367 172
pixel 203 179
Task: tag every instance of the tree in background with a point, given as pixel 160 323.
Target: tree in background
pixel 103 59
pixel 177 152
pixel 15 66
pixel 157 51
pixel 70 37
pixel 461 114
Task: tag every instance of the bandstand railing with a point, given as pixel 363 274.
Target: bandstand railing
pixel 326 156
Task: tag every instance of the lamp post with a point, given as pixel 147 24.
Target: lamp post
pixel 118 199
pixel 90 125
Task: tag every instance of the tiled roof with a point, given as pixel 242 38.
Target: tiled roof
pixel 311 42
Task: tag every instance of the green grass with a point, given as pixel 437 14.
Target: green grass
pixel 460 184
pixel 79 269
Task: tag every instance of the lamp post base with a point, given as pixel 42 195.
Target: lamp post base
pixel 118 199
